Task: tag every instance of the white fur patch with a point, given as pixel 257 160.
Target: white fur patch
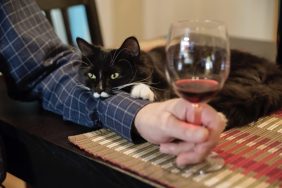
pixel 104 94
pixel 142 91
pixel 98 95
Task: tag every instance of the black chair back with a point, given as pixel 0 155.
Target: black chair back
pixel 63 5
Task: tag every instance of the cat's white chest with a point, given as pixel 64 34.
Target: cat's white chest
pixel 142 91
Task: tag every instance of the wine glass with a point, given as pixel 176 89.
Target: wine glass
pixel 198 61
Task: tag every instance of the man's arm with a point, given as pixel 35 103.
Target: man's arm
pixel 38 66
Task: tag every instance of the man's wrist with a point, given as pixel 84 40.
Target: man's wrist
pixel 136 137
pixel 118 113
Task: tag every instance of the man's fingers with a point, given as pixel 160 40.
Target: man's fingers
pixel 188 158
pixel 175 148
pixel 180 108
pixel 214 121
pixel 195 155
pixel 185 131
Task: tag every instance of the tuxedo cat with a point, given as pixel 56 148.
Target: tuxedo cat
pixel 127 68
pixel 252 90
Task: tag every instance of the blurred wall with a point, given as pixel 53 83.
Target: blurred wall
pixel 147 19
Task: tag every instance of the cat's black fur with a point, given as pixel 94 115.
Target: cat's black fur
pixel 252 90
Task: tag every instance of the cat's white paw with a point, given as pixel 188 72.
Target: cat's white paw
pixel 142 91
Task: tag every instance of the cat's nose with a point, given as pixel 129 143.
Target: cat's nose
pixel 100 86
pixel 98 90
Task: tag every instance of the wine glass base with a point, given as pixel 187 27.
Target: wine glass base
pixel 214 163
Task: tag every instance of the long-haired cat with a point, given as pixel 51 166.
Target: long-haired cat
pixel 252 90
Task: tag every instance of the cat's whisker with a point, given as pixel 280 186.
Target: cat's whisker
pixel 83 86
pixel 158 88
pixel 144 80
pixel 154 83
pixel 87 88
pixel 130 84
pixel 83 62
pixel 136 83
pixel 115 91
pixel 125 85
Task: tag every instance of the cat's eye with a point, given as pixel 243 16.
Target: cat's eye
pixel 114 76
pixel 91 76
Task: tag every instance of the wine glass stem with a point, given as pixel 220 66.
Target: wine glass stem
pixel 197 114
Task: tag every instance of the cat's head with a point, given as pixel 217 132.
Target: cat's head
pixel 105 71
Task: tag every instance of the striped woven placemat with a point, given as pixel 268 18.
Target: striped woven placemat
pixel 252 154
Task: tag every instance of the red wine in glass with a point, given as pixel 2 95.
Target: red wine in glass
pixel 197 90
pixel 198 58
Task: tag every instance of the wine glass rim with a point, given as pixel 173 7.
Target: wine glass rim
pixel 210 21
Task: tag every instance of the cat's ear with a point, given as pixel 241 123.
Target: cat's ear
pixel 131 45
pixel 85 47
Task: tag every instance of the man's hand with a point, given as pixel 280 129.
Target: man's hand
pixel 169 124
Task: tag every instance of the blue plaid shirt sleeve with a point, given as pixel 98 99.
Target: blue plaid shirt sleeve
pixel 26 39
